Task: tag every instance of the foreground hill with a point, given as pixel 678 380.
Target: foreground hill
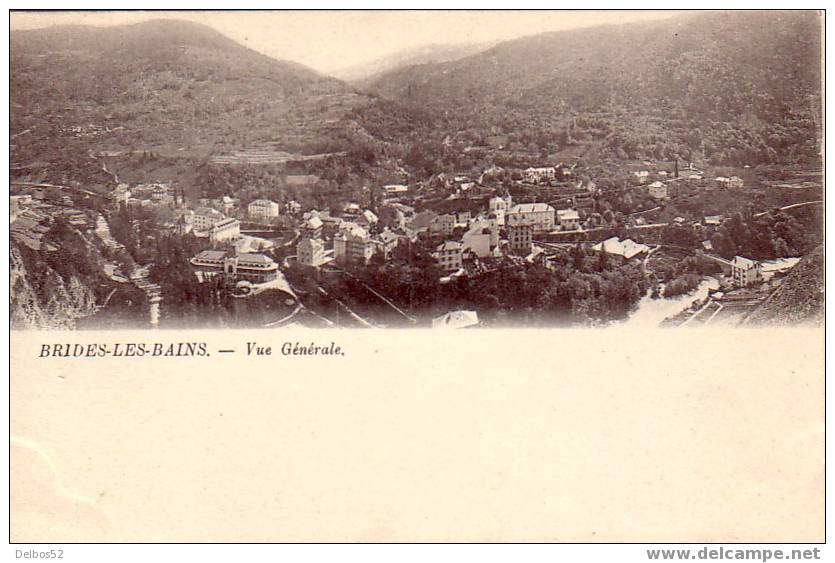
pixel 800 300
pixel 733 87
pixel 164 86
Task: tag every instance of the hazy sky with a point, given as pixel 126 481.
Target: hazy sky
pixel 328 41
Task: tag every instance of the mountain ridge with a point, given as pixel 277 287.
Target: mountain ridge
pixel 364 74
pixel 168 85
pixel 750 70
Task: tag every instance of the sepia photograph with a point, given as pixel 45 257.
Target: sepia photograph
pixel 538 169
pixel 202 200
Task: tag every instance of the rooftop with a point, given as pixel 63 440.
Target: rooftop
pixel 208 212
pixel 456 319
pixel 314 222
pixel 450 245
pixel 225 223
pixel 531 208
pixel 627 248
pixel 742 262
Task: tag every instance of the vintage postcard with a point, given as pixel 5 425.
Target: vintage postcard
pixel 417 276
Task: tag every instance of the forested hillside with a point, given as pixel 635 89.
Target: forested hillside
pixel 735 88
pixel 165 86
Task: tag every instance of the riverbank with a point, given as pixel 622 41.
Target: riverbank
pixel 652 312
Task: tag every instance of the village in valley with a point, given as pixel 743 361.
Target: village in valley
pixel 337 265
pixel 175 177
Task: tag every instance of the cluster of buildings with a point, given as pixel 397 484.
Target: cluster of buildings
pixel 661 184
pixel 466 236
pixel 354 235
pixel 144 195
pixel 211 223
pixel 548 174
pixel 349 238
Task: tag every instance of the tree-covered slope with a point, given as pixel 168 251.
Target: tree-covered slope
pixel 730 86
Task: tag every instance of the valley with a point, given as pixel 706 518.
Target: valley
pixel 560 179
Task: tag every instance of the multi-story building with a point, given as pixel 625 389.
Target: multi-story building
pixel 489 223
pixel 477 241
pixel 443 225
pixel 311 227
pixel 353 246
pixel 539 215
pixel 159 194
pixel 745 271
pixel 263 208
pixel 540 174
pixel 500 203
pixel 206 217
pixel 385 243
pixel 520 237
pixel 310 252
pixel 568 219
pixel 225 230
pixel 255 268
pixel 450 255
pixel 500 206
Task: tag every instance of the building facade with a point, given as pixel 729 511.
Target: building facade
pixel 539 215
pixel 255 268
pixel 477 241
pixel 263 208
pixel 745 272
pixel 568 219
pixel 353 246
pixel 311 227
pixel 520 237
pixel 499 206
pixel 443 225
pixel 225 230
pixel 206 217
pixel 450 256
pixel 385 243
pixel 310 252
pixel 540 174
